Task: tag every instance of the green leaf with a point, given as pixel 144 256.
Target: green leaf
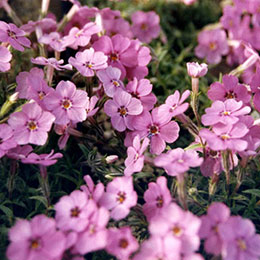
pixel 39 198
pixel 7 211
pixel 193 146
pixel 254 192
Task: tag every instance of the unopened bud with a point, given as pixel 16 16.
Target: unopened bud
pixel 111 158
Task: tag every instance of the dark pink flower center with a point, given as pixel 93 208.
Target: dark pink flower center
pixel 123 243
pixel 114 57
pixel 35 244
pixel 41 95
pixel 144 26
pixel 74 213
pixel 225 136
pixel 11 34
pixel 177 231
pixel 122 111
pixel 241 244
pixel 212 46
pixel 230 94
pixel 121 196
pixel 32 125
pixel 153 130
pixel 159 202
pixel 115 83
pixel 66 103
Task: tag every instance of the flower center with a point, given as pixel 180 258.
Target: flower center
pixel 11 34
pixel 123 243
pixel 225 136
pixel 144 26
pixel 172 108
pixel 115 83
pixel 180 161
pixel 32 125
pixel 41 95
pixel 88 65
pixel 74 213
pixel 212 46
pixel 35 244
pixel 177 231
pixel 114 57
pixel 230 94
pixel 154 130
pixel 241 244
pixel 66 103
pixel 159 202
pixel 226 113
pixel 121 197
pixel 122 111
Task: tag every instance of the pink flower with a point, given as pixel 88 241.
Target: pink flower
pixel 52 62
pixel 7 141
pixel 122 109
pixel 95 235
pixel 145 25
pixel 55 41
pixel 5 58
pixel 174 104
pixel 89 61
pixel 67 103
pixel 227 112
pixel 117 26
pixel 19 152
pixel 121 243
pixel 42 159
pixel 157 198
pixel 188 2
pixel 119 197
pixel 13 35
pixel 81 37
pixel 35 239
pixel 157 128
pixel 142 90
pixel 217 213
pixel 31 124
pixel 178 161
pixel 135 158
pixel 212 45
pixel 45 24
pixel 229 89
pixel 110 78
pixel 90 109
pixel 239 239
pixel 73 211
pixel 196 70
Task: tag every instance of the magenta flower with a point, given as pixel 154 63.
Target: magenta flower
pixel 196 70
pixel 174 104
pixel 110 78
pixel 67 103
pixel 227 112
pixel 19 152
pixel 229 89
pixel 89 61
pixel 81 37
pixel 135 158
pixel 119 197
pixel 157 198
pixel 95 235
pixel 7 141
pixel 142 90
pixel 37 239
pixel 121 53
pixel 52 62
pixel 178 161
pixel 217 213
pixel 14 36
pixel 42 159
pixel 184 226
pixel 117 26
pixel 231 18
pixel 73 211
pixel 5 58
pixel 121 243
pixel 122 109
pixel 157 128
pixel 226 137
pixel 145 25
pixel 212 45
pixel 31 124
pixel 239 239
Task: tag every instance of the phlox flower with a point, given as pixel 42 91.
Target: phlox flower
pixel 121 243
pixel 217 213
pixel 95 235
pixel 55 41
pixel 89 61
pixel 36 239
pixel 177 161
pixel 31 124
pixel 3 3
pixel 174 104
pixel 157 197
pixel 45 24
pixel 73 211
pixel 67 103
pixel 175 224
pixel 212 45
pixel 239 239
pixel 42 159
pixel 135 158
pixel 119 197
pixel 110 78
pixel 231 18
pixel 5 58
pixel 117 25
pixel 227 112
pixel 90 109
pixel 196 70
pixel 19 152
pixel 229 89
pixel 7 141
pixel 145 25
pixel 158 128
pixel 226 137
pixel 14 36
pixel 122 109
pixel 142 89
pixel 255 87
pixel 51 62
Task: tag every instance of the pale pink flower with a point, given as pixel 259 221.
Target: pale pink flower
pixel 55 41
pixel 19 152
pixel 5 58
pixel 196 70
pixel 51 62
pixel 7 141
pixel 90 109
